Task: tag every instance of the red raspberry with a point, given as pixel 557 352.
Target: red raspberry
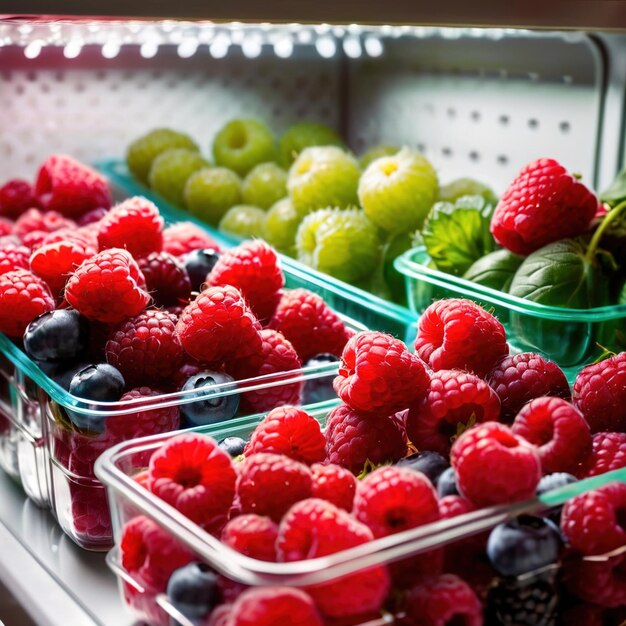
pixel 166 279
pixel 16 196
pixel 92 218
pixel 82 236
pixel 183 237
pixel 145 348
pixel 13 257
pixel 23 296
pixel 592 521
pixel 559 431
pixel 335 484
pixel 40 222
pixel 268 484
pixel 135 225
pixel 218 617
pixel 494 465
pixel 378 374
pixel 583 615
pixel 55 262
pixel 543 204
pixel 600 582
pixel 252 535
pixel 276 354
pixel 393 499
pixel 444 600
pixel 519 378
pixel 315 528
pixel 6 227
pixel 253 268
pixel 608 452
pixel 218 323
pixel 455 401
pixel 453 506
pixel 144 422
pixel 600 394
pixel 458 334
pixel 290 431
pixel 70 187
pixel 108 287
pixel 353 438
pixel 195 476
pixel 309 324
pixel 150 554
pixel 271 606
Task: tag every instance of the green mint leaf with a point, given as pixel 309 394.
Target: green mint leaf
pixel 616 191
pixel 495 270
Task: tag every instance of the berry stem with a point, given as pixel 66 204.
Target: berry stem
pixel 602 228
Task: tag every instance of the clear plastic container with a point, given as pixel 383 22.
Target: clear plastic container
pixel 372 311
pixel 570 337
pixel 455 545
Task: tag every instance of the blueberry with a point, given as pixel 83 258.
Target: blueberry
pixel 198 264
pixel 193 590
pixel 101 383
pixel 525 544
pixel 446 485
pixel 209 410
pixel 432 464
pixel 233 445
pixel 55 336
pixel 62 374
pixel 554 481
pixel 319 389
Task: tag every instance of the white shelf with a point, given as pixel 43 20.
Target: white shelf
pixel 56 582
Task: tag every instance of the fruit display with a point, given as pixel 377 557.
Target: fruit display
pixel 145 327
pixel 308 196
pixel 421 437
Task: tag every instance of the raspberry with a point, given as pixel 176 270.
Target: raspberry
pixel 591 521
pixel 353 438
pixel 13 257
pixel 184 237
pixel 150 553
pixel 135 225
pixel 146 348
pixel 393 499
pixel 23 296
pixel 36 221
pixel 92 218
pixel 82 236
pixel 559 431
pixel 315 528
pixel 6 228
pixel 341 242
pixel 191 473
pixel 70 187
pixel 145 421
pixel 269 484
pixel 519 378
pixel 218 617
pixel 334 484
pixel 16 196
pixel 600 394
pixel 455 401
pixel 166 278
pixel 602 582
pixel 458 334
pixel 608 452
pixel 108 287
pixel 218 323
pixel 453 506
pixel 290 431
pixel 309 324
pixel 271 606
pixel 444 600
pixel 252 268
pixel 276 354
pixel 494 465
pixel 378 374
pixel 543 204
pixel 252 535
pixel 55 262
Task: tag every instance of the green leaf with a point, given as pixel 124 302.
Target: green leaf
pixel 456 235
pixel 616 192
pixel 495 270
pixel 559 275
